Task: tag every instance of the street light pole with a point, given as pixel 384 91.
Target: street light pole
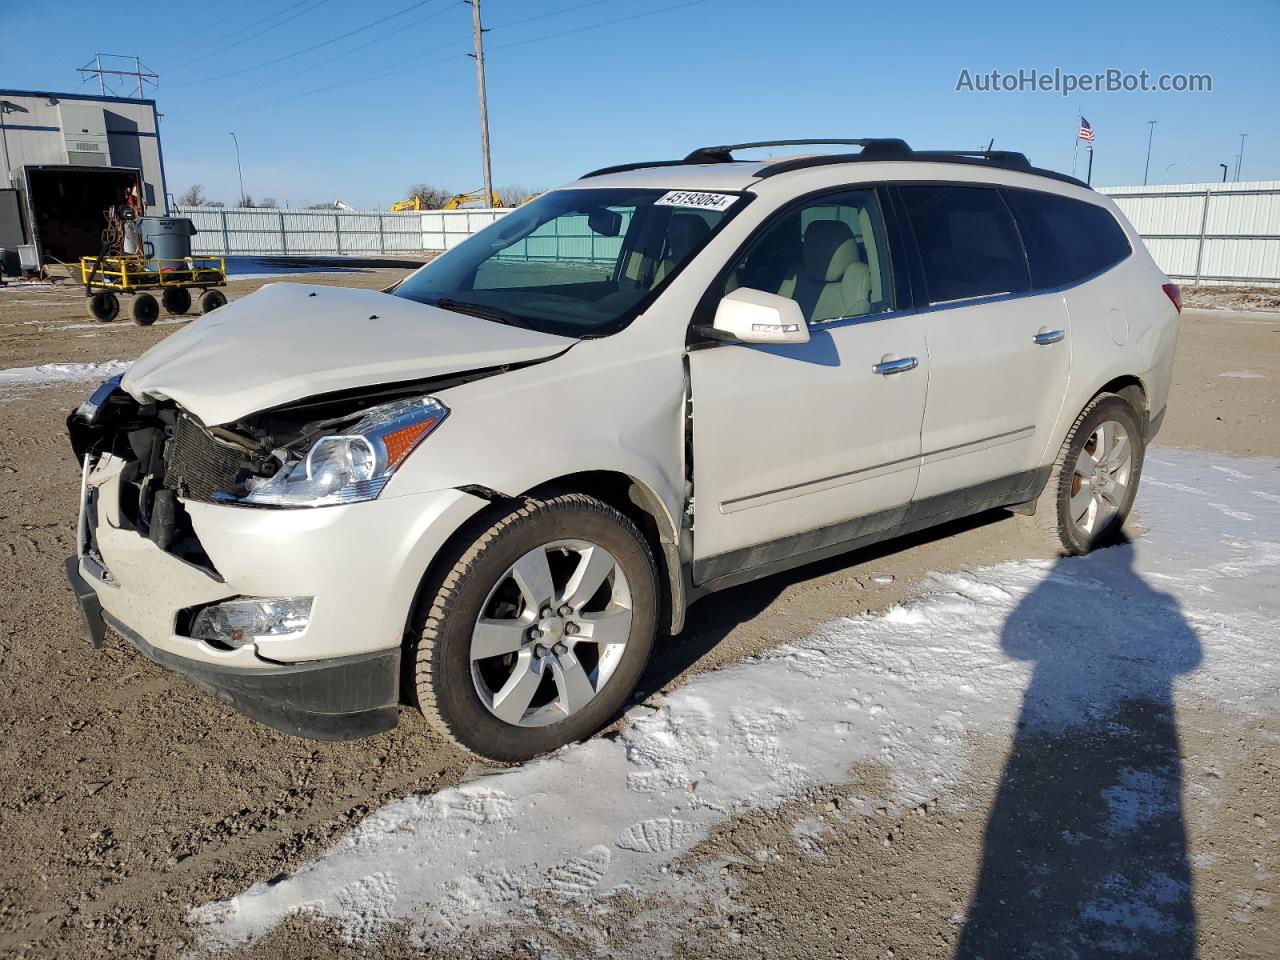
pixel 1240 157
pixel 1224 172
pixel 1151 129
pixel 478 31
pixel 239 170
pixel 1165 178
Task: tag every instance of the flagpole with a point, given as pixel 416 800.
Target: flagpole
pixel 1075 148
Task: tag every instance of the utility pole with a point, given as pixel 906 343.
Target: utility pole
pixel 1151 129
pixel 238 168
pixel 478 30
pixel 1240 157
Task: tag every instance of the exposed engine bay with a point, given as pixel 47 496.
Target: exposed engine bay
pixel 171 456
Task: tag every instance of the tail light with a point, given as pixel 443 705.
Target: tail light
pixel 1174 293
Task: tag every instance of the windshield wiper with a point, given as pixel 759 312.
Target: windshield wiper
pixel 496 314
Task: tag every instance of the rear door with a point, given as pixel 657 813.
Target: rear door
pixel 999 350
pixel 799 446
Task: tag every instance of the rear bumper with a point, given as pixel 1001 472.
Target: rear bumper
pixel 343 698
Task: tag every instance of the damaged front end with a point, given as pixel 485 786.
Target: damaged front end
pixel 324 451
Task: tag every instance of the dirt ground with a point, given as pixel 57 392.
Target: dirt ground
pixel 129 796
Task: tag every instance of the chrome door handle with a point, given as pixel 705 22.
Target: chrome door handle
pixel 1046 337
pixel 902 365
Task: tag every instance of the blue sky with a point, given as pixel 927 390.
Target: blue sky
pixel 653 86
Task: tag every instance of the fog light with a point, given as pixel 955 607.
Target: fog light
pixel 238 623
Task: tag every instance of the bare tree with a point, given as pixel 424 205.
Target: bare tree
pixel 194 197
pixel 514 195
pixel 433 198
pixel 246 200
pixel 269 203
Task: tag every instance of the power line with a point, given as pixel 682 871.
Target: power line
pixel 389 70
pixel 313 47
pixel 346 53
pixel 594 26
pixel 544 16
pixel 236 33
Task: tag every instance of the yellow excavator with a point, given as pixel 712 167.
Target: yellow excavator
pixel 453 203
pixel 457 201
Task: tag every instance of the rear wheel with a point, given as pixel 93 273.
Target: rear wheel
pixel 104 306
pixel 1095 479
pixel 540 630
pixel 145 309
pixel 177 300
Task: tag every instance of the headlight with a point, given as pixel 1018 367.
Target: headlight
pixel 353 465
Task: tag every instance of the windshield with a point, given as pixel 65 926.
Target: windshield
pixel 578 263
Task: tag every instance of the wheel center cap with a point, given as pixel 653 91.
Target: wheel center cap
pixel 552 628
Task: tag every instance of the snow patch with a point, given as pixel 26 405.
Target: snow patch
pixel 906 689
pixel 51 373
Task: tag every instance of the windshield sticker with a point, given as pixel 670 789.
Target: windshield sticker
pixel 703 201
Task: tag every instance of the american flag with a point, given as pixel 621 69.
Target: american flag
pixel 1086 131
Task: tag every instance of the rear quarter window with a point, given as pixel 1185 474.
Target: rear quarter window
pixel 1066 239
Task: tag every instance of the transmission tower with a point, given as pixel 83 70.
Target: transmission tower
pixel 140 75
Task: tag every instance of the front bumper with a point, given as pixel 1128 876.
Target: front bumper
pixel 340 699
pixel 362 564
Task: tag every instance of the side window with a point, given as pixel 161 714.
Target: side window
pixel 967 241
pixel 1066 239
pixel 829 255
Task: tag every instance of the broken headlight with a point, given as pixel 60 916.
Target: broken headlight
pixel 353 465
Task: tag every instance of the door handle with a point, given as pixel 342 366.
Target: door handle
pixel 891 364
pixel 1046 337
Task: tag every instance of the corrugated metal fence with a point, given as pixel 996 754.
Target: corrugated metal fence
pixel 1214 233
pixel 1198 233
pixel 227 231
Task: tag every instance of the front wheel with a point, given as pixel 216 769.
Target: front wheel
pixel 540 631
pixel 1095 478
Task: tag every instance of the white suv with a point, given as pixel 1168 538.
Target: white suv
pixel 491 487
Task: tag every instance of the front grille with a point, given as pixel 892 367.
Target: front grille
pixel 197 465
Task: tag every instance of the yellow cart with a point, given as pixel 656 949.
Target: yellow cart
pixel 106 277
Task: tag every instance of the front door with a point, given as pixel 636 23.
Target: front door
pixel 801 446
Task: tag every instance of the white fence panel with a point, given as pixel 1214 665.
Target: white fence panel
pixel 1212 233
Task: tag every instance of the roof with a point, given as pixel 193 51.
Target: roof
pixel 75 96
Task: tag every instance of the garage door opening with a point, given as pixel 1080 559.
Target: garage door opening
pixel 67 205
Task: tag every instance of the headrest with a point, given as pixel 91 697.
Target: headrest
pixel 685 233
pixel 829 249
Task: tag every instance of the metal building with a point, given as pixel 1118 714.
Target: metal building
pixel 64 159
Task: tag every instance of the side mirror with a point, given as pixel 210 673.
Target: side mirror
pixel 753 316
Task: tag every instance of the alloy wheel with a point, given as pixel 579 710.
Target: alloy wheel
pixel 551 633
pixel 1101 477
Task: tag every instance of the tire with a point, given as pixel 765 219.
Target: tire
pixel 144 309
pixel 461 691
pixel 1106 494
pixel 104 306
pixel 212 300
pixel 176 300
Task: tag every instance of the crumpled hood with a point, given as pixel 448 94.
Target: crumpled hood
pixel 289 341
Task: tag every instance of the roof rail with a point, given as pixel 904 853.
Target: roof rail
pixel 999 159
pixel 873 148
pixel 724 154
